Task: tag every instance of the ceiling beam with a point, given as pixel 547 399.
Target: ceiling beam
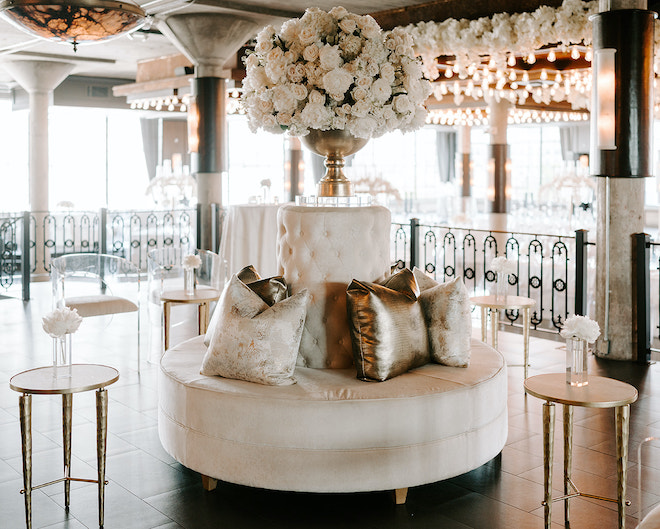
pixel 440 10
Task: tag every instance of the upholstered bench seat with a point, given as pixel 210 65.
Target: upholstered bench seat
pixel 331 432
pixel 100 305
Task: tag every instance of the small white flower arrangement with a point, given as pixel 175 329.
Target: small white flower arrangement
pixel 334 71
pixel 581 327
pixel 61 321
pixel 502 265
pixel 192 261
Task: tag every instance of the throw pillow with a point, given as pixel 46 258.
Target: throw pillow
pixel 253 341
pixel 271 290
pixel 387 327
pixel 446 308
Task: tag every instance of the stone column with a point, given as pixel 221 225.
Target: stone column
pixel 499 153
pixel 464 159
pixel 627 27
pixel 210 40
pixel 295 174
pixel 39 79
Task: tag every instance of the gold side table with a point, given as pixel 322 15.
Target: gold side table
pixel 202 297
pixel 600 392
pixel 492 305
pixel 65 381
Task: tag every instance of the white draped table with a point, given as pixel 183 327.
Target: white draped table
pixel 249 237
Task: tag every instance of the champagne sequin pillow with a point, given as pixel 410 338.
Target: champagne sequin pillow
pixel 253 341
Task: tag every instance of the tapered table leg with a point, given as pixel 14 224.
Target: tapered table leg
pixel 548 453
pixel 526 324
pixel 568 456
pixel 25 411
pixel 101 442
pixel 622 417
pixel 484 324
pixel 67 405
pixel 166 325
pixel 495 323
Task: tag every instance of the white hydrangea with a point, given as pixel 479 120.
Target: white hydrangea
pixel 61 321
pixel 334 70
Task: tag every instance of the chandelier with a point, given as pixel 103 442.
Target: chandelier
pixel 73 21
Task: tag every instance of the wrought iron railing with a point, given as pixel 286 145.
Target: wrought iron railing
pixel 551 269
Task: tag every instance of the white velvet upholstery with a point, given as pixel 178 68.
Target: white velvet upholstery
pixel 322 249
pixel 331 432
pixel 651 520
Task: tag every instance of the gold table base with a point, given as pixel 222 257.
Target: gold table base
pixel 601 392
pixel 42 381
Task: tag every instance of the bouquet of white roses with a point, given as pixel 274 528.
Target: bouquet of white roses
pixel 192 261
pixel 334 71
pixel 581 327
pixel 503 265
pixel 61 321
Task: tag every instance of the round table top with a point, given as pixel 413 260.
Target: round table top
pixel 52 380
pixel 181 296
pixel 503 302
pixel 600 392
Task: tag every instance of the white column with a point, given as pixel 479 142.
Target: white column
pixel 39 79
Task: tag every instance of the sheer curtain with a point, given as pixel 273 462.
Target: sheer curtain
pixel 446 150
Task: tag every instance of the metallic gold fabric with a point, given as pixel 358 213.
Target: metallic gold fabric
pixel 387 327
pixel 272 290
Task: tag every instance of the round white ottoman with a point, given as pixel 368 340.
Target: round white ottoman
pixel 331 432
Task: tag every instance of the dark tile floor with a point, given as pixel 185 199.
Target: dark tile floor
pixel 149 489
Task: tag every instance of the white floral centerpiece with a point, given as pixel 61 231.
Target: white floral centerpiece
pixel 192 261
pixel 60 324
pixel 334 71
pixel 503 267
pixel 578 332
pixel 580 327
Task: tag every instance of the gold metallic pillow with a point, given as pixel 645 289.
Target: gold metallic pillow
pixel 387 327
pixel 446 308
pixel 271 290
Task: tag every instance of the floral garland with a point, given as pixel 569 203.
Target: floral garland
pixel 334 70
pixel 502 34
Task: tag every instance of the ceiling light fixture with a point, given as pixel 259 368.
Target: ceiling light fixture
pixel 74 21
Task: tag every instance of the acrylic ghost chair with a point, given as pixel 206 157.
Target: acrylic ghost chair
pixel 97 285
pixel 165 272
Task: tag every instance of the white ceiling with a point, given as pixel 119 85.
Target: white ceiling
pixel 118 58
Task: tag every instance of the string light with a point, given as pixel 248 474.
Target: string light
pixel 551 56
pixel 575 54
pixel 531 58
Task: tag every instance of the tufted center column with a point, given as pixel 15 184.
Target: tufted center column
pixel 323 249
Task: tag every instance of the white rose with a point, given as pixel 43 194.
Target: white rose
pixel 264 105
pixel 258 79
pixel 284 119
pixel 290 30
pixel 293 73
pixel 364 82
pixel 381 90
pixel 274 55
pixel 339 12
pixel 339 122
pixel 402 104
pixel 299 91
pixel 263 47
pixel 359 93
pixel 369 27
pixel 388 112
pixel 251 61
pixel 361 108
pixel 347 108
pixel 311 53
pixel 337 82
pixel 348 25
pixel 316 97
pixel 307 35
pixel 330 57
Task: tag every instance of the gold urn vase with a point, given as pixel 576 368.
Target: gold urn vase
pixel 334 145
